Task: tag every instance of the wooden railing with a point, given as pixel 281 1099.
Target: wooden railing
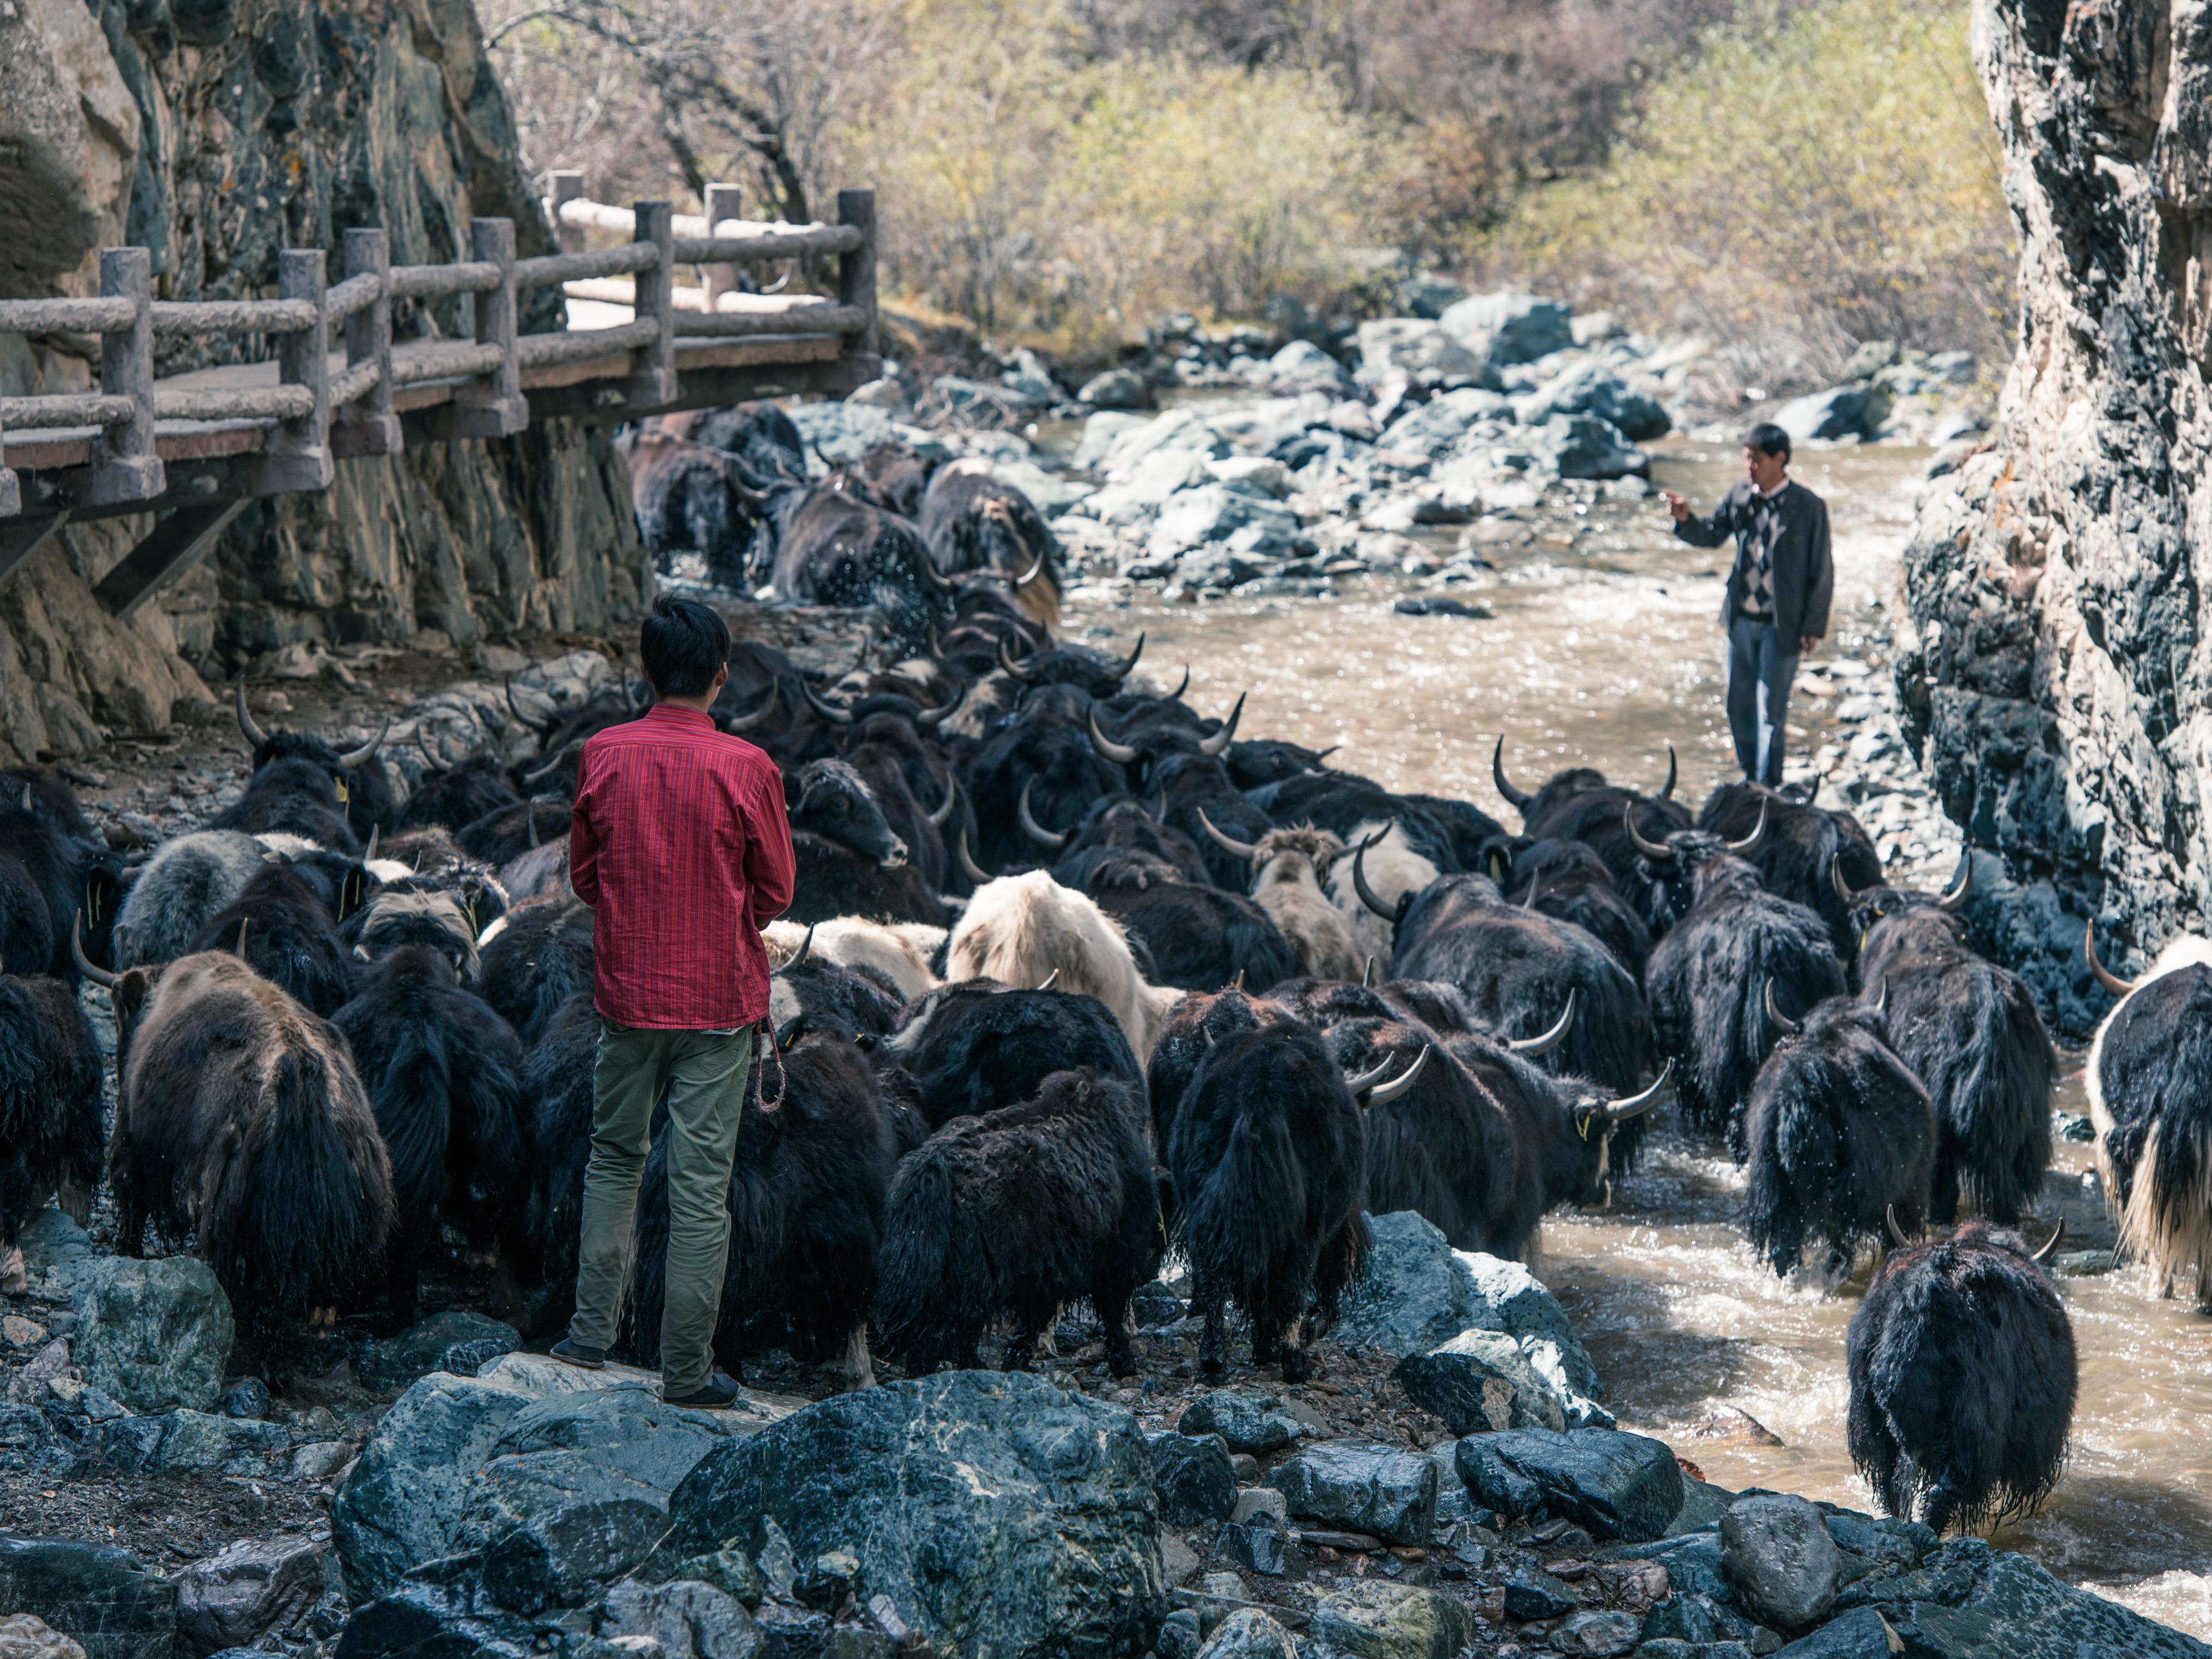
pixel 195 447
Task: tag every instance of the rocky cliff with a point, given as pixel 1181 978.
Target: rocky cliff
pixel 217 132
pixel 2061 677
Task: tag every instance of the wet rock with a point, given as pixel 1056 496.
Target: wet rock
pixel 1390 1492
pixel 1429 295
pixel 1259 1545
pixel 431 1616
pixel 1598 1635
pixel 318 1460
pixel 228 1599
pixel 1532 1593
pixel 1440 605
pixel 977 1502
pixel 457 1341
pixel 1590 446
pixel 1862 1634
pixel 199 1443
pixel 1506 327
pixel 247 1397
pixel 112 1605
pixel 1117 388
pixel 24 1636
pixel 153 1335
pixel 1247 1633
pixel 1617 1485
pixel 1245 1422
pixel 1688 1616
pixel 51 1240
pixel 1591 388
pixel 1155 1304
pixel 31 1444
pixel 1394 1621
pixel 1478 1382
pixel 1191 1474
pixel 1777 1552
pixel 688 1619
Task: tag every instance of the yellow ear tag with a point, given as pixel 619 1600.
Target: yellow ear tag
pixel 345 796
pixel 1582 1123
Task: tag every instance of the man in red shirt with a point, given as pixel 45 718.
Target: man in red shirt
pixel 679 844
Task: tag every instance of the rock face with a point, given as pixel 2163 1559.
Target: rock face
pixel 217 135
pixel 104 1598
pixel 2062 676
pixel 153 1335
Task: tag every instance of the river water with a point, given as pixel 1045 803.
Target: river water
pixel 1602 648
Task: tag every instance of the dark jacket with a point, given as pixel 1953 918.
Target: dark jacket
pixel 1804 575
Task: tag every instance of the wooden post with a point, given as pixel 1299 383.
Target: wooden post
pixel 652 368
pixel 856 271
pixel 297 454
pixel 723 202
pixel 369 426
pixel 11 493
pixel 125 466
pixel 564 187
pixel 494 407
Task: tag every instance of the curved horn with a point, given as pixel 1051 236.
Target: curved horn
pixel 2106 978
pixel 1881 998
pixel 1667 788
pixel 1220 740
pixel 1035 832
pixel 541 727
pixel 799 955
pixel 2051 1245
pixel 1032 574
pixel 239 950
pixel 530 817
pixel 1636 1105
pixel 934 718
pixel 1518 800
pixel 1360 1082
pixel 943 814
pixel 548 769
pixel 975 872
pixel 1782 1021
pixel 1012 667
pixel 1230 844
pixel 369 852
pixel 429 754
pixel 1896 1233
pixel 1844 888
pixel 1535 1047
pixel 636 703
pixel 1121 753
pixel 1954 895
pixel 1383 1093
pixel 1367 975
pixel 246 724
pixel 937 578
pixel 1049 981
pixel 1657 851
pixel 1129 663
pixel 1750 843
pixel 823 706
pixel 1367 895
pixel 362 756
pixel 85 965
pixel 1175 695
pixel 741 723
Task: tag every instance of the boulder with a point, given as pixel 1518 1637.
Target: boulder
pixel 1245 1422
pixel 1388 1490
pixel 840 432
pixel 1618 1486
pixel 1257 1546
pixel 1100 434
pixel 1383 1621
pixel 989 1507
pixel 198 1443
pixel 1841 411
pixel 1406 350
pixel 1870 359
pixel 51 1239
pixel 1862 1634
pixel 26 1636
pixel 1777 1552
pixel 455 1341
pixel 435 1615
pixel 689 1620
pixel 1532 1593
pixel 1429 295
pixel 231 1598
pixel 101 1596
pixel 1506 327
pixel 1303 366
pixel 31 1444
pixel 1437 426
pixel 1591 447
pixel 1191 1474
pixel 1247 1633
pixel 152 1334
pixel 1117 388
pixel 1597 1635
pixel 1478 1382
pixel 1591 388
pixel 247 1397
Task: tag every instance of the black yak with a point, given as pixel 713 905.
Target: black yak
pixel 434 921
pixel 537 958
pixel 557 1095
pixel 826 548
pixel 850 861
pixel 811 994
pixel 506 833
pixel 1962 1376
pixel 241 1121
pixel 976 1045
pixel 444 1076
pixel 974 520
pixel 1199 937
pixel 1019 1210
pixel 1115 823
pixel 1838 1135
pixel 1268 1158
pixel 689 497
pixel 1579 804
pixel 890 475
pixel 1567 879
pixel 1036 779
pixel 50 1080
pixel 806 1218
pixel 1802 845
pixel 1970 1032
pixel 759 433
pixel 53 870
pixel 355 778
pixel 454 793
pixel 282 923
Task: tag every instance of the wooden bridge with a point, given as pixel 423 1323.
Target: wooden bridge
pixel 192 449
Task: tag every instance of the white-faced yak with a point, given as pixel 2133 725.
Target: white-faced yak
pixel 1962 1376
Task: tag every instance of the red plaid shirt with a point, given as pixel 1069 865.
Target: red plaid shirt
pixel 679 844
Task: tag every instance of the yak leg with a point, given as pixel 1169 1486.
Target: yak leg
pixel 1943 1189
pixel 1276 1319
pixel 1031 1320
pixel 1212 1340
pixel 858 1364
pixel 1111 1303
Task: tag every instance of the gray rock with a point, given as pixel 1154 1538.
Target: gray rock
pixel 1383 1621
pixel 1590 388
pixel 1434 427
pixel 318 1460
pixel 26 1636
pixel 1478 1382
pixel 1870 359
pixel 199 1443
pixel 1262 1504
pixel 457 1341
pixel 1390 1492
pixel 1247 1633
pixel 1257 1546
pixel 1408 351
pixel 1841 411
pixel 1590 446
pixel 1117 388
pixel 1507 327
pixel 1303 366
pixel 1862 1634
pixel 1245 1422
pixel 1617 1485
pixel 153 1335
pixel 231 1598
pixel 51 1239
pixel 1191 1474
pixel 2012 1606
pixel 977 1502
pixel 1532 1593
pixel 31 1444
pixel 1599 1635
pixel 247 1397
pixel 1777 1552
pixel 1429 295
pixel 113 1607
pixel 841 431
pixel 430 1615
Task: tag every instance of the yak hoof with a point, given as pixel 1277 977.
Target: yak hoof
pixel 1212 1364
pixel 15 1279
pixel 1296 1367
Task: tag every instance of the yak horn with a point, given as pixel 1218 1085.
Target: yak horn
pixel 975 872
pixel 1518 800
pixel 1782 1021
pixel 740 723
pixel 1035 832
pixel 1667 788
pixel 541 727
pixel 1881 998
pixel 934 718
pixel 1657 851
pixel 239 951
pixel 799 955
pixel 1032 574
pixel 1367 975
pixel 2106 978
pixel 2045 1253
pixel 1012 667
pixel 430 755
pixel 254 734
pixel 823 706
pixel 1050 980
pixel 529 820
pixel 1954 895
pixel 550 766
pixel 1636 1104
pixel 938 819
pixel 1221 740
pixel 1121 753
pixel 1367 895
pixel 1844 888
pixel 1536 1047
pixel 374 830
pixel 1243 849
pixel 1175 695
pixel 1129 663
pixel 937 578
pixel 85 965
pixel 1383 1094
pixel 1363 1083
pixel 1750 843
pixel 1896 1233
pixel 362 756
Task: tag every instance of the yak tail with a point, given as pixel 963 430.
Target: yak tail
pixel 932 1281
pixel 1246 1220
pixel 2168 1218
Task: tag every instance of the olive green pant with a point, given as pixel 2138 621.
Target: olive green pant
pixel 704 1073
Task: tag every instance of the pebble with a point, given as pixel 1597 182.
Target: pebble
pixel 21 1333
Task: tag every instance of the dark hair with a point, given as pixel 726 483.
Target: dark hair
pixel 682 644
pixel 1768 439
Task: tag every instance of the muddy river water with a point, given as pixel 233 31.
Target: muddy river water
pixel 1603 648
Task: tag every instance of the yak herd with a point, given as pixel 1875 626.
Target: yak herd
pixel 1075 976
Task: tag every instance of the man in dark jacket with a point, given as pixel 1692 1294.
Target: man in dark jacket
pixel 1776 607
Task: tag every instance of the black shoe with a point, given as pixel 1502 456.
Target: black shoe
pixel 719 1395
pixel 569 1351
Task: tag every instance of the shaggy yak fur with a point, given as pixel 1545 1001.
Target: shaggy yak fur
pixel 444 1076
pixel 974 1046
pixel 1196 1023
pixel 1289 866
pixel 1269 1158
pixel 291 937
pixel 181 889
pixel 451 796
pixel 1020 1211
pixel 806 1219
pixel 54 872
pixel 1839 1133
pixel 293 796
pixel 539 958
pixel 1707 980
pixel 1801 846
pixel 1199 939
pixel 556 1093
pixel 1962 1377
pixel 1567 879
pixel 1020 930
pixel 1970 1032
pixel 50 1078
pixel 973 521
pixel 436 922
pixel 818 995
pixel 242 1122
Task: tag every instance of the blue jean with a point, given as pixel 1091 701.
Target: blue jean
pixel 1761 669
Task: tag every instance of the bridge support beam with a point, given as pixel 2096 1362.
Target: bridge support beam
pixel 20 537
pixel 172 547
